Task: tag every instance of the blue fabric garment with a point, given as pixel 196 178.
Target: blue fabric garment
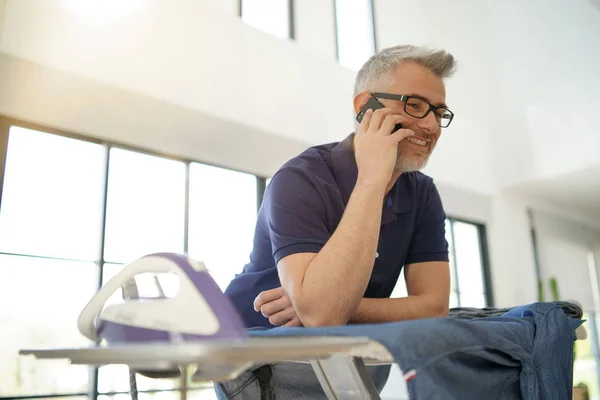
pixel 524 354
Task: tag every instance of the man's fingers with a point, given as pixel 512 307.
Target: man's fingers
pixel 401 134
pixel 267 296
pixel 294 322
pixel 366 120
pixel 283 317
pixel 378 117
pixel 275 306
pixel 390 122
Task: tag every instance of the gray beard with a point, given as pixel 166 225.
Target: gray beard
pixel 410 164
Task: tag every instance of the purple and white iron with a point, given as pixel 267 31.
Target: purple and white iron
pixel 199 310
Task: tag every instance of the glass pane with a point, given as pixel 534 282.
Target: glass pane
pixel 468 258
pixel 52 196
pixel 585 366
pixel 453 300
pixel 450 254
pixel 63 398
pixel 271 16
pixel 109 270
pixel 355 36
pixel 468 299
pixel 222 219
pixel 205 394
pixel 42 299
pixel 115 378
pixel 166 395
pixel 145 206
pixel 400 288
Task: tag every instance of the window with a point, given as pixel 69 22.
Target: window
pixel 72 209
pixel 469 268
pixel 145 208
pixel 271 16
pixel 355 32
pixel 42 299
pixel 467 265
pixel 585 370
pixel 223 208
pixel 52 196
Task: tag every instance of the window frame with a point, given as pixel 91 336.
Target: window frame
pixel 336 28
pixel 6 123
pixel 291 17
pixel 486 272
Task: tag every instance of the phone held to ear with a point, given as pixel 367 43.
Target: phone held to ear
pixel 373 104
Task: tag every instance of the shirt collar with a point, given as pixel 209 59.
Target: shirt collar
pixel 346 173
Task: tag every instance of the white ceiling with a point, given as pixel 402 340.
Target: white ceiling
pixel 575 193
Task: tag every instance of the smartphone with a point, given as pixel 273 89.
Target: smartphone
pixel 373 104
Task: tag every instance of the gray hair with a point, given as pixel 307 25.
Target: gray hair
pixel 376 72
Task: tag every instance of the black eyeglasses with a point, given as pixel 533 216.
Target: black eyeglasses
pixel 418 107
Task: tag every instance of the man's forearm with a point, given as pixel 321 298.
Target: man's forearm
pixel 337 277
pixel 371 311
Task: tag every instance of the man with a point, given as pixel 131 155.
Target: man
pixel 340 221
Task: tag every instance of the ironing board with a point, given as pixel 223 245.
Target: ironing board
pixel 339 362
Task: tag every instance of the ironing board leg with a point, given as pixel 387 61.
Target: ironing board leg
pixel 133 385
pixel 345 378
pixel 184 382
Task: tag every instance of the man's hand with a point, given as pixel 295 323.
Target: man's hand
pixel 276 305
pixel 376 148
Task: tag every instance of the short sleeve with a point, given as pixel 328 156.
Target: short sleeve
pixel 428 241
pixel 297 214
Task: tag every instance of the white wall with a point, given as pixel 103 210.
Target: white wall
pixel 510 83
pixel 464 204
pixel 558 231
pixel 314 25
pixel 54 98
pixel 563 248
pixel 190 55
pixel 558 65
pixel 2 7
pixel 437 24
pixel 228 7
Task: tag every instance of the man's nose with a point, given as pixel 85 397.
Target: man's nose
pixel 429 123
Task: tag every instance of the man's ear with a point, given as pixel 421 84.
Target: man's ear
pixel 359 101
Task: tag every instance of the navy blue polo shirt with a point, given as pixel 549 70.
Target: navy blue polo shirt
pixel 304 204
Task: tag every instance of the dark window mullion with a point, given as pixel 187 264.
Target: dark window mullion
pixel 335 32
pixel 373 27
pixel 261 185
pixel 485 265
pixel 104 212
pixel 93 370
pixel 291 24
